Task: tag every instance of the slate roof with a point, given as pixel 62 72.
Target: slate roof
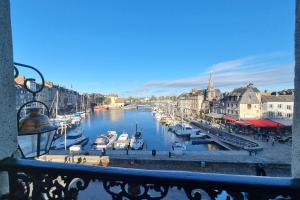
pixel 246 95
pixel 242 90
pixel 279 98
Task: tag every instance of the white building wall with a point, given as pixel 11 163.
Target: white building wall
pixel 278 110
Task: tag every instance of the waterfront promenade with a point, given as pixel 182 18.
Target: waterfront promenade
pixel 228 162
pixel 229 156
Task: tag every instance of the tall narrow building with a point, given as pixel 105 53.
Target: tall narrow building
pixel 210 89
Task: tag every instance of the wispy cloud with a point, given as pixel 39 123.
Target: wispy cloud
pixel 262 70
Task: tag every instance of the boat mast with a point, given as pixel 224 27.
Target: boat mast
pixel 136 127
pixel 76 104
pixel 83 107
pixel 181 108
pixel 65 126
pixel 56 107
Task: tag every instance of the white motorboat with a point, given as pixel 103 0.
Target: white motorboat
pixel 81 114
pixel 177 146
pixel 105 141
pixel 158 116
pixel 75 120
pixel 184 130
pixel 137 142
pixel 198 135
pixel 122 142
pixel 74 137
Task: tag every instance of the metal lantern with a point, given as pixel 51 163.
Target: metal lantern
pixel 36 133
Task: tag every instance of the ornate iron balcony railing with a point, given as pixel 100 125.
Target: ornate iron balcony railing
pixel 31 179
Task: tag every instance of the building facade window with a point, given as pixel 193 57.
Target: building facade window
pixel 279 106
pixel 249 106
pixel 289 107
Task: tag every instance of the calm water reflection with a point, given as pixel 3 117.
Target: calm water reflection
pixel 156 136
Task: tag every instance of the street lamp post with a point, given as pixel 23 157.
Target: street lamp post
pixel 35 131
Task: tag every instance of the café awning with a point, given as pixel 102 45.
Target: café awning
pixel 229 118
pixel 242 123
pixel 263 123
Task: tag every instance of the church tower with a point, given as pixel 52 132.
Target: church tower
pixel 210 95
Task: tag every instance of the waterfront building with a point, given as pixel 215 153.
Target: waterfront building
pixel 94 99
pixel 243 103
pixel 48 94
pixel 22 95
pixel 218 105
pixel 116 102
pixel 199 102
pixel 119 103
pixel 278 106
pixel 184 104
pixel 212 96
pixel 211 93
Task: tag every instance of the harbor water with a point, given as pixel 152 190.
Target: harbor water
pixel 156 136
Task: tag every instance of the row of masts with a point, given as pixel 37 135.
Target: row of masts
pixel 56 101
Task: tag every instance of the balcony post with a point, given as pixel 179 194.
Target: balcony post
pixel 8 116
pixel 296 116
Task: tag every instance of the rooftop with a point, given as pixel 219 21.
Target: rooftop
pixel 279 98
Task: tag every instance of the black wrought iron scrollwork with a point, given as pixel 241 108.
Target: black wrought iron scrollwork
pixel 197 193
pixel 33 92
pixel 23 184
pixel 75 185
pixel 30 79
pixel 16 72
pixel 65 181
pixel 134 190
pixel 58 187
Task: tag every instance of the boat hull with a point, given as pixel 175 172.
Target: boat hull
pixel 82 142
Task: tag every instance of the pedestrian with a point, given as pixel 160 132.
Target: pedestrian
pixel 273 141
pixel 263 171
pixel 257 170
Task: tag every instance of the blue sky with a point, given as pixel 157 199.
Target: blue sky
pixel 160 47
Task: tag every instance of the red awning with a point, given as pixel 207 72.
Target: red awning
pixel 229 118
pixel 242 123
pixel 261 123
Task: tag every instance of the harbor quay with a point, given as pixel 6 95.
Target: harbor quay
pixel 265 150
pixel 229 162
pixel 230 157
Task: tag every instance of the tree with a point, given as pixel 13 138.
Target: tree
pixel 173 98
pixel 107 101
pixel 152 98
